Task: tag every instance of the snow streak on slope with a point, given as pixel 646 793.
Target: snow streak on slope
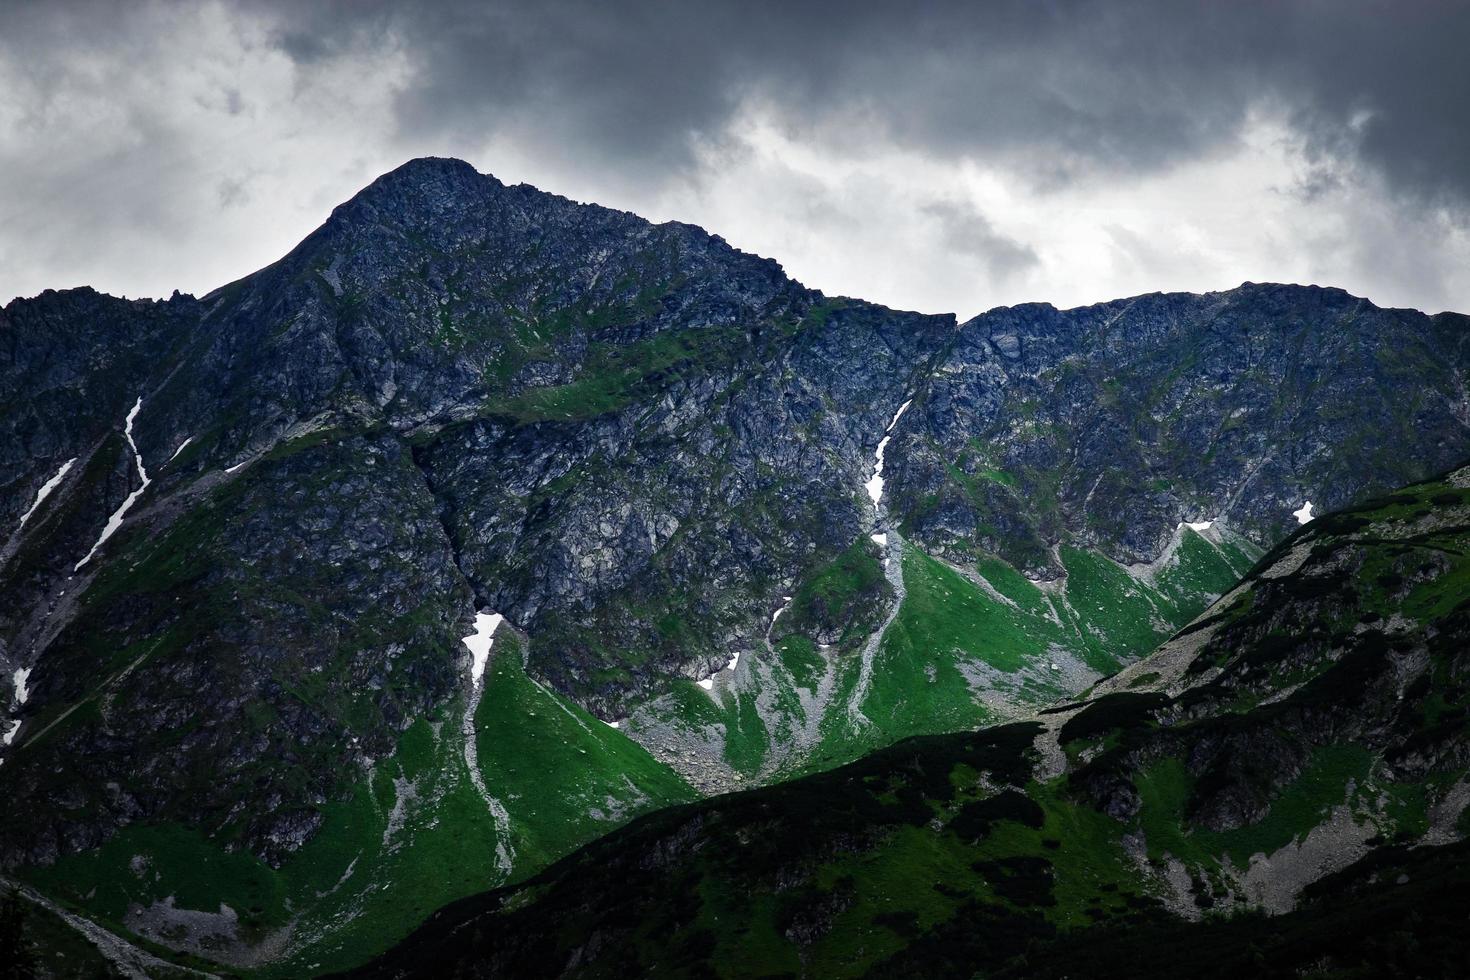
pixel 45 492
pixel 785 605
pixel 115 521
pixel 9 735
pixel 22 674
pixel 479 643
pixel 1303 513
pixel 893 570
pixel 874 486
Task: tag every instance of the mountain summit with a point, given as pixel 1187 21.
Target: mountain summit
pixel 704 528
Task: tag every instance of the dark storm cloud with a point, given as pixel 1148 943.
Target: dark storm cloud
pixel 1067 89
pixel 1013 150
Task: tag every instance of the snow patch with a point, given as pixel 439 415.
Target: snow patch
pixel 777 614
pixel 480 642
pixel 9 736
pixel 231 469
pixel 880 539
pixel 45 492
pixel 1303 513
pixel 613 724
pixel 786 604
pixel 733 661
pixel 22 674
pixel 1199 525
pixel 180 449
pixel 708 683
pixel 874 486
pixel 115 521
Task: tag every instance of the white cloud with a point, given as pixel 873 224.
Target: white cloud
pixel 181 152
pixel 857 223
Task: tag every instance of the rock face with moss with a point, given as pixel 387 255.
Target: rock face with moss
pixel 1105 426
pixel 244 534
pixel 1300 749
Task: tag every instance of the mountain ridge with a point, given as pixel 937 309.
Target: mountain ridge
pixel 634 442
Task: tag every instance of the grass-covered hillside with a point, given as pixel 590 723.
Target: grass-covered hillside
pixel 938 647
pixel 425 825
pixel 1278 757
pixel 964 647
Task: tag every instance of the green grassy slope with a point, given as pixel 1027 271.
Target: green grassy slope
pixel 1277 755
pixel 978 646
pixel 968 647
pixel 564 775
pixel 414 834
pixel 940 856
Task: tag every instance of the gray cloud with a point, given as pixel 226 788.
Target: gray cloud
pixel 1070 88
pixel 965 230
pixel 206 115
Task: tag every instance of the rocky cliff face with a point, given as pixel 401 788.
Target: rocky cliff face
pixel 1114 422
pixel 635 443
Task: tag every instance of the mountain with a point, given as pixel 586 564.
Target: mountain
pixel 703 528
pixel 1301 749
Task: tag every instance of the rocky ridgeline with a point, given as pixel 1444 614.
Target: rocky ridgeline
pixel 631 440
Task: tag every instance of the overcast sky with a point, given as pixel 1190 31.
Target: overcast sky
pixel 939 157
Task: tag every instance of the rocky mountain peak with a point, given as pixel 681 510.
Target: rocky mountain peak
pixel 419 191
pixel 761 528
